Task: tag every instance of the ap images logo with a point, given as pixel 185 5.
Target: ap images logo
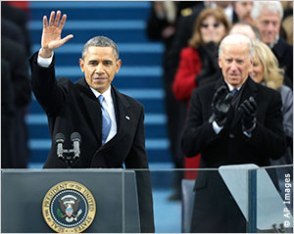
pixel 69 207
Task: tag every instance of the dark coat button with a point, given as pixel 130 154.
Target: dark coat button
pixel 231 135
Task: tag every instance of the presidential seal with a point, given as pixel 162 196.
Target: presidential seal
pixel 69 207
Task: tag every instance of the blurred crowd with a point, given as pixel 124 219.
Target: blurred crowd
pixel 15 84
pixel 191 33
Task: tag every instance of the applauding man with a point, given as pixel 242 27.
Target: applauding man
pixel 234 121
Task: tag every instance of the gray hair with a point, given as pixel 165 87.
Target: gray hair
pixel 245 29
pixel 101 41
pixel 237 39
pixel 271 6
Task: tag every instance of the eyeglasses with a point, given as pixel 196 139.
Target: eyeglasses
pixel 215 25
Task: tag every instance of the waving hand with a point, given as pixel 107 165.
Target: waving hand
pixel 51 35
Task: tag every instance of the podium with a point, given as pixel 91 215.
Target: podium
pixel 28 195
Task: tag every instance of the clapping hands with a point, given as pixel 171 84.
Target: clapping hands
pixel 248 111
pixel 221 106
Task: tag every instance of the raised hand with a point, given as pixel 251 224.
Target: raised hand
pixel 51 35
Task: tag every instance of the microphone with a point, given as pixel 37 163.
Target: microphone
pixel 76 139
pixel 59 140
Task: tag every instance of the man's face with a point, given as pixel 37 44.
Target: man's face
pixel 235 64
pixel 268 24
pixel 243 10
pixel 100 65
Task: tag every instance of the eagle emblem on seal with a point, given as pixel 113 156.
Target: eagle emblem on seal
pixel 69 206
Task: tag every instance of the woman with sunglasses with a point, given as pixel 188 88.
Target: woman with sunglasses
pixel 198 61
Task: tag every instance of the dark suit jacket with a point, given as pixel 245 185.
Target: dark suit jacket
pixel 12 31
pixel 20 18
pixel 14 53
pixel 284 53
pixel 74 108
pixel 215 210
pixel 7 116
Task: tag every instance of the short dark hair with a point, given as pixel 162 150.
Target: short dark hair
pixel 101 41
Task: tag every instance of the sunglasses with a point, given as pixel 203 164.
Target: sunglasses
pixel 215 25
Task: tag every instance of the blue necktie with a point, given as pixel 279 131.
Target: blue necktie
pixel 106 121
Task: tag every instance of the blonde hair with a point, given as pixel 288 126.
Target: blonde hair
pixel 219 15
pixel 273 75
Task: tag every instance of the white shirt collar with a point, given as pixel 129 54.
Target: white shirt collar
pixel 232 87
pixel 106 94
pixel 275 42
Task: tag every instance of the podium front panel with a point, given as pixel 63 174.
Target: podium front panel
pixel 23 192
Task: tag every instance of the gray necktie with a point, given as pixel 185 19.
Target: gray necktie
pixel 106 121
pixel 234 92
pixel 236 97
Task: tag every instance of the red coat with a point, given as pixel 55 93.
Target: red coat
pixel 185 80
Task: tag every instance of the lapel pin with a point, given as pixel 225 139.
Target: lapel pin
pixel 127 117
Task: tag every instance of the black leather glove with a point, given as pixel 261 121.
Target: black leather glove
pixel 248 111
pixel 221 106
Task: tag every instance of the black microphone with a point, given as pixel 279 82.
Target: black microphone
pixel 59 140
pixel 76 139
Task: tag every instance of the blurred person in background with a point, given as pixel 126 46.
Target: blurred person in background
pixel 266 71
pixel 7 116
pixel 162 25
pixel 287 22
pixel 245 29
pixel 243 10
pixel 18 13
pixel 15 50
pixel 268 17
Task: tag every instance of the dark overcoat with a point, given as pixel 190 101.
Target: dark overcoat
pixel 72 107
pixel 215 209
